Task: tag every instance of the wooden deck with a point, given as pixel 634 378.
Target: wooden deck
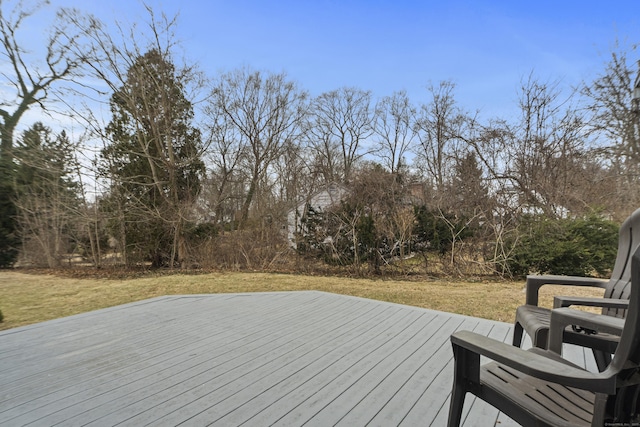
pixel 286 358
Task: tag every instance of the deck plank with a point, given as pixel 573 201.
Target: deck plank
pixel 281 358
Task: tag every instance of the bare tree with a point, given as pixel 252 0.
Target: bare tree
pixel 226 151
pixel 614 124
pixel 28 80
pixel 538 161
pixel 394 129
pixel 292 174
pixel 267 111
pixel 609 102
pixel 439 129
pixel 547 145
pixel 341 121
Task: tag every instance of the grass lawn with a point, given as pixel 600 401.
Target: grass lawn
pixel 30 298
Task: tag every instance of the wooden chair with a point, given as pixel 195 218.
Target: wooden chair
pixel 535 320
pixel 538 388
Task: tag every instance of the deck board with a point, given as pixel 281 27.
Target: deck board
pixel 282 358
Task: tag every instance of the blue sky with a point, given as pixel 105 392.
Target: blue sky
pixel 485 47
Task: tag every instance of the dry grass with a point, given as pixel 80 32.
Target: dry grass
pixel 31 298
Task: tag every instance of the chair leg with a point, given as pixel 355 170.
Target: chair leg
pixel 466 374
pixel 456 405
pixel 517 334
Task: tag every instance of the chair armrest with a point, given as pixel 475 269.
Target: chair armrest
pixel 534 364
pixel 534 283
pixel 567 301
pixel 563 317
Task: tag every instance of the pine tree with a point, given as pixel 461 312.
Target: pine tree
pixel 152 161
pixel 47 196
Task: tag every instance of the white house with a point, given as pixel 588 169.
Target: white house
pixel 320 201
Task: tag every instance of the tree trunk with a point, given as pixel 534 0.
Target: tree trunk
pixel 247 203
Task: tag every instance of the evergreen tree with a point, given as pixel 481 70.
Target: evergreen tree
pixel 469 192
pixel 152 161
pixel 9 241
pixel 47 196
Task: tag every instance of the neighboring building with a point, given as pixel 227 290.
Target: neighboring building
pixel 320 201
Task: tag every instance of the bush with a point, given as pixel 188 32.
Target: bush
pixel 580 247
pixel 1 317
pixel 435 230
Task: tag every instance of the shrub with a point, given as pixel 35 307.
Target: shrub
pixel 581 246
pixel 437 230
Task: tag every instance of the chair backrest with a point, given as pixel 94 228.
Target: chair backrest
pixel 631 331
pixel 619 285
pixel 629 346
pixel 625 366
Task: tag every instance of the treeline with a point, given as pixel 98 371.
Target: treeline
pixel 219 171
